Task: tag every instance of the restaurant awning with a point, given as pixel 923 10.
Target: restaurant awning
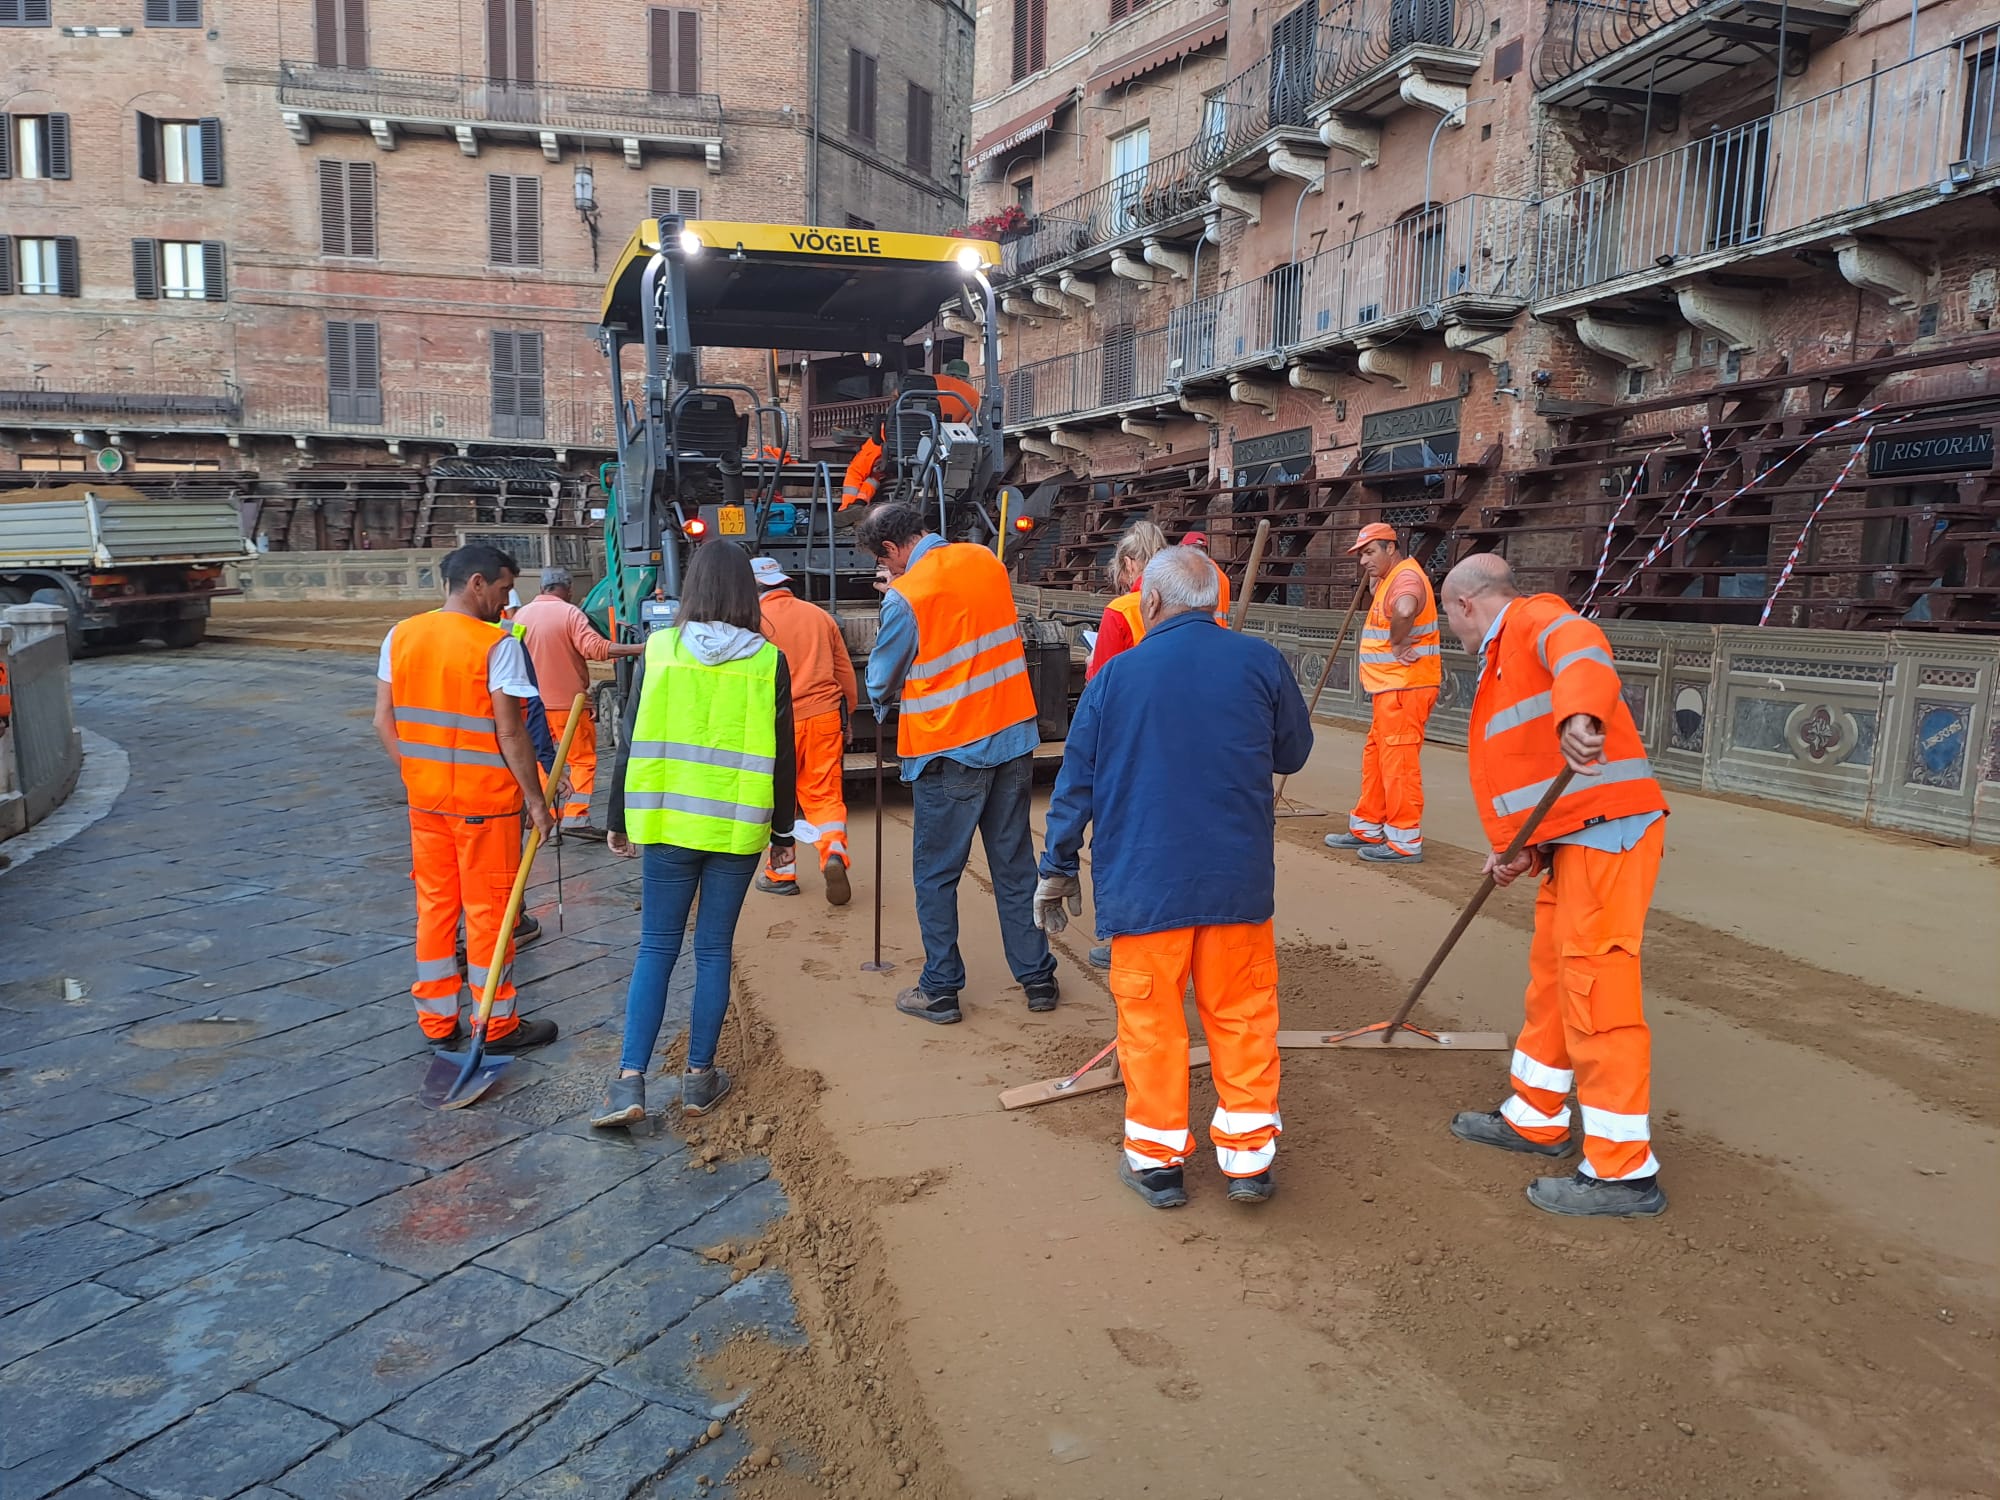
pixel 1020 129
pixel 1140 61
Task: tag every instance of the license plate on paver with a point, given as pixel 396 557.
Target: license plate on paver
pixel 729 520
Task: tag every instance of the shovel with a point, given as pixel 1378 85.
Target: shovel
pixel 457 1079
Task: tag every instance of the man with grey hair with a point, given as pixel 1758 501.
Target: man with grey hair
pixel 1170 760
pixel 562 643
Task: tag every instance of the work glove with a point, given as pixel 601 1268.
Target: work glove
pixel 1050 894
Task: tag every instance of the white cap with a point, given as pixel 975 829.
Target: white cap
pixel 767 572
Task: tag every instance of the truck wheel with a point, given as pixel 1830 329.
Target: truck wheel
pixel 181 633
pixel 72 626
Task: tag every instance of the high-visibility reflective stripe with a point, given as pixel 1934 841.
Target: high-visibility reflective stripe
pixel 1173 1140
pixel 443 720
pixel 450 756
pixel 706 807
pixel 1523 1115
pixel 1380 633
pixel 703 755
pixel 1638 768
pixel 1606 1125
pixel 1514 715
pixel 1588 653
pixel 1381 658
pixel 823 829
pixel 1410 837
pixel 1650 1167
pixel 1229 1122
pixel 436 968
pixel 1539 1075
pixel 1542 640
pixel 445 1005
pixel 1366 830
pixel 1018 667
pixel 965 651
pixel 1236 1163
pixel 475 975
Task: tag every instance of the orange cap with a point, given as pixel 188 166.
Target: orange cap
pixel 1374 531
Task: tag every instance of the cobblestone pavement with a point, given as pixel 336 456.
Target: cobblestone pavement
pixel 236 1258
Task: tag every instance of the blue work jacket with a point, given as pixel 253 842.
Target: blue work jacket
pixel 1170 757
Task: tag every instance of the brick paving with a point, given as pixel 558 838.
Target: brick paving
pixel 236 1257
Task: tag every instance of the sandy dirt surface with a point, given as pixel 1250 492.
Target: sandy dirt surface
pixel 993 1316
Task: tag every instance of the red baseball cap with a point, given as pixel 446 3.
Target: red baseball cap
pixel 1374 531
pixel 1195 539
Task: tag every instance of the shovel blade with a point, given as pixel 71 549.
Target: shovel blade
pixel 451 1084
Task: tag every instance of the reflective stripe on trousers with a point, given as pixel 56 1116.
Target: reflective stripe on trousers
pixel 461 868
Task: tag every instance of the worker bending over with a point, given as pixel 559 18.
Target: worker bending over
pixel 1199 539
pixel 1549 697
pixel 958 401
pixel 1195 725
pixel 448 697
pixel 1122 627
pixel 1400 671
pixel 823 695
pixel 562 643
pixel 948 655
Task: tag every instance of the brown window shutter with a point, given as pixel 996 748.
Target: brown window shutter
pixel 339 370
pixel 869 122
pixel 917 129
pixel 6 265
pixel 1120 9
pixel 6 144
pixel 853 92
pixel 500 220
pixel 506 400
pixel 367 371
pixel 214 282
pixel 660 50
pixel 1038 35
pixel 59 147
pixel 498 31
pixel 146 269
pixel 326 33
pixel 332 208
pixel 149 148
pixel 211 151
pixel 354 33
pixel 1021 39
pixel 527 221
pixel 69 268
pixel 687 51
pixel 528 384
pixel 524 41
pixel 361 238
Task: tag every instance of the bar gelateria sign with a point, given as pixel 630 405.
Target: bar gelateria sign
pixel 1948 452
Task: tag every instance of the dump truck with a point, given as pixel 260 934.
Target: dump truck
pixel 700 460
pixel 127 566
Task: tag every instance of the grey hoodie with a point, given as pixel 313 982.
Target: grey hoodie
pixel 716 641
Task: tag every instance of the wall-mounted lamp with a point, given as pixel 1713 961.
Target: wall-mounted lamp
pixel 586 206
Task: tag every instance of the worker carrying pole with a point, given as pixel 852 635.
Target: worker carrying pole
pixel 823 695
pixel 562 643
pixel 448 696
pixel 1401 669
pixel 1195 720
pixel 1548 697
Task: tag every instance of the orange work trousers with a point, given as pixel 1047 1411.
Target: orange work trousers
pixel 581 766
pixel 821 747
pixel 462 866
pixel 1586 1024
pixel 1391 809
pixel 1235 973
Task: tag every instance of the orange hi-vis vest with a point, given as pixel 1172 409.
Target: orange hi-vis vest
pixel 1381 672
pixel 970 678
pixel 1547 663
pixel 445 731
pixel 1128 606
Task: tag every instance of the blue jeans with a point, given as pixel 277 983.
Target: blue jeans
pixel 672 876
pixel 951 800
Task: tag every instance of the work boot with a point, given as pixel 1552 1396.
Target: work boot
pixel 1256 1189
pixel 940 1010
pixel 1043 994
pixel 1383 854
pixel 1491 1128
pixel 1161 1187
pixel 524 1037
pixel 770 885
pixel 624 1103
pixel 1100 956
pixel 1349 841
pixel 838 891
pixel 1584 1196
pixel 702 1089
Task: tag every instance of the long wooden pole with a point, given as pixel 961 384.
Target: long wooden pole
pixel 1326 672
pixel 1250 575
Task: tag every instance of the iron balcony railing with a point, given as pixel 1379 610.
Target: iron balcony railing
pixel 1577 33
pixel 391 93
pixel 1166 188
pixel 1274 93
pixel 1361 38
pixel 1926 127
pixel 107 402
pixel 1473 253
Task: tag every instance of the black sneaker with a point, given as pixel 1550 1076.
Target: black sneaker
pixel 1161 1187
pixel 1256 1189
pixel 1044 994
pixel 624 1103
pixel 940 1010
pixel 1100 956
pixel 526 931
pixel 1584 1196
pixel 702 1091
pixel 524 1037
pixel 1491 1128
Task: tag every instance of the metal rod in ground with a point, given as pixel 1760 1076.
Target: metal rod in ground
pixel 1242 609
pixel 1556 789
pixel 877 966
pixel 1326 672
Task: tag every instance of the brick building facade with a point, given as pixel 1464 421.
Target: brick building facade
pixel 292 241
pixel 1546 276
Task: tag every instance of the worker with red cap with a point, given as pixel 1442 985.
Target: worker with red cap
pixel 1199 541
pixel 1400 667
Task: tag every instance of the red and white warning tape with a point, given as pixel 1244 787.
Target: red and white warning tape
pixel 1799 546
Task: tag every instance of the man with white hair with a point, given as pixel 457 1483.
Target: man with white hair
pixel 562 643
pixel 1549 697
pixel 1197 720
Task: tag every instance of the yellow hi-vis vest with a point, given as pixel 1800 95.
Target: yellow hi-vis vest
pixel 704 750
